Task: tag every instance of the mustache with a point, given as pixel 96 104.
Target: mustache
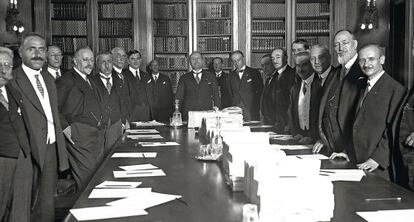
pixel 37 58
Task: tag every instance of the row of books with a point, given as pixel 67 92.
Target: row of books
pixel 268 26
pixel 69 45
pixel 312 26
pixel 267 44
pixel 208 44
pixel 170 44
pixel 215 27
pixel 60 27
pixel 115 27
pixel 170 11
pixel 312 9
pixel 313 40
pixel 268 10
pixel 115 10
pixel 172 61
pixel 69 11
pixel 168 27
pixel 214 10
pixel 106 44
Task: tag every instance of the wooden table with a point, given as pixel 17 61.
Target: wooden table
pixel 205 195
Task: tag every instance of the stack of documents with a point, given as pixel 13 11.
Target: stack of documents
pixel 342 174
pixel 142 131
pixel 144 136
pixel 400 215
pixel 152 144
pixel 227 119
pixel 148 123
pixel 141 170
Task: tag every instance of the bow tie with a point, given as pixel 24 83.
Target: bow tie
pixel 241 70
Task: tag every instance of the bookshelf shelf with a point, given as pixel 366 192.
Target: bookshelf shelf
pixel 269 34
pixel 215 18
pixel 216 52
pixel 268 18
pixel 115 18
pixel 170 19
pixel 157 35
pixel 68 19
pixel 214 35
pixel 313 17
pixel 115 36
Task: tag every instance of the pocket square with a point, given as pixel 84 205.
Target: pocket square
pixel 249 80
pixel 149 81
pixel 163 83
pixel 19 111
pixel 209 83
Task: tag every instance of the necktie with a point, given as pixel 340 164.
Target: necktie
pixel 87 80
pixel 137 75
pixel 363 96
pixel 57 74
pixel 197 77
pixel 318 80
pixel 268 80
pixel 121 76
pixel 4 101
pixel 108 84
pixel 39 86
pixel 343 72
pixel 304 88
pixel 155 78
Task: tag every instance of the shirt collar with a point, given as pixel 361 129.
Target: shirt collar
pixel 243 68
pixel 218 74
pixel 375 79
pixel 118 70
pixel 197 71
pixel 156 74
pixel 351 62
pixel 53 71
pixel 80 73
pixel 309 80
pixel 133 70
pixel 30 71
pixel 282 69
pixel 325 74
pixel 104 76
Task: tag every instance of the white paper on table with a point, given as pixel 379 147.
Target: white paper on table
pixel 148 123
pixel 312 156
pixel 400 215
pixel 151 144
pixel 146 166
pixel 142 131
pixel 106 212
pixel 343 174
pixel 292 147
pixel 280 136
pixel 117 193
pixel 143 202
pixel 118 184
pixel 135 155
pixel 144 136
pixel 139 173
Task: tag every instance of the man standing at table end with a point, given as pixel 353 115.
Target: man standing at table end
pixel 246 86
pixel 197 90
pixel 40 101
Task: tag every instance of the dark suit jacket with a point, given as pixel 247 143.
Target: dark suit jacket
pixel 223 83
pixel 13 132
pixel 246 92
pixel 37 121
pixel 196 97
pixel 112 103
pixel 124 91
pixel 160 98
pixel 350 89
pixel 329 78
pixel 139 108
pixel 313 111
pixel 372 129
pixel 268 100
pixel 79 102
pixel 281 87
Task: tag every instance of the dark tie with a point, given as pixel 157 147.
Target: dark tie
pixel 343 72
pixel 137 75
pixel 39 86
pixel 87 80
pixel 3 100
pixel 268 80
pixel 121 76
pixel 318 80
pixel 108 84
pixel 304 88
pixel 363 96
pixel 197 77
pixel 57 74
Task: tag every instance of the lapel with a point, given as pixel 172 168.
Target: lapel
pixel 15 96
pixel 83 86
pixel 27 89
pixel 372 96
pixel 245 76
pixel 326 88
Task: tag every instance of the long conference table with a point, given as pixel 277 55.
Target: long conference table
pixel 206 196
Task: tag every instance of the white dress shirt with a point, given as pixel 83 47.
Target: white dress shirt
pixel 349 64
pixel 371 82
pixel 241 73
pixel 280 71
pixel 304 103
pixel 44 101
pixel 218 74
pixel 134 72
pixel 200 73
pixel 104 77
pixel 53 72
pixel 155 76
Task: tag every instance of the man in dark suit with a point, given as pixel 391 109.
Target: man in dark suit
pixel 246 87
pixel 304 102
pixel 112 100
pixel 340 99
pixel 15 153
pixel 160 94
pixel 321 63
pixel 82 116
pixel 54 61
pixel 119 59
pixel 223 82
pixel 284 79
pixel 197 90
pixel 373 136
pixel 39 99
pixel 136 80
pixel 268 99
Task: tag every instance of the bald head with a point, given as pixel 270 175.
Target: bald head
pixel 371 59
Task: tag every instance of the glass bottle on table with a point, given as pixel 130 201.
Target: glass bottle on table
pixel 176 119
pixel 217 139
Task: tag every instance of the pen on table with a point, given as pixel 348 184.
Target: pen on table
pixel 299 157
pixel 383 199
pixel 323 174
pixel 182 201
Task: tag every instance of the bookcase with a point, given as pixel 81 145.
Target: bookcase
pixel 115 24
pixel 276 23
pixel 214 30
pixel 171 38
pixel 68 27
